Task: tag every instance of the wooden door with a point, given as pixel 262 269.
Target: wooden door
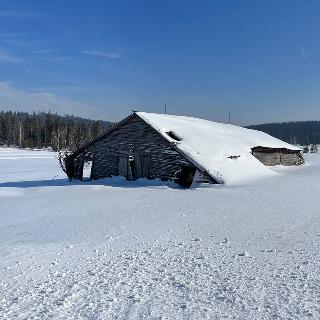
pixel 145 166
pixel 123 165
pixel 142 165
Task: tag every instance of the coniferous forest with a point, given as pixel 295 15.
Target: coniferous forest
pixel 297 132
pixel 45 130
pixel 50 130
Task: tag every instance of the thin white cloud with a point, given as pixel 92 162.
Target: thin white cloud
pixel 22 100
pixel 6 56
pixel 303 53
pixel 63 88
pixel 10 34
pixel 42 51
pixel 17 40
pixel 110 55
pixel 58 59
pixel 14 42
pixel 13 14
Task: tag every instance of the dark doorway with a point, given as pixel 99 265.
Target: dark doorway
pixel 131 168
pixel 134 165
pixel 126 165
pixel 185 175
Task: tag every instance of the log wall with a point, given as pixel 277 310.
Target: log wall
pixel 274 157
pixel 137 138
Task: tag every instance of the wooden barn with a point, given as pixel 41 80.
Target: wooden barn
pixel 181 149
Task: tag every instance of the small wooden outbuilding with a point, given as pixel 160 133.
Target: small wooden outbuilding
pixel 182 149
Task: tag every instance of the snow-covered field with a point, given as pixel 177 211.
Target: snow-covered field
pixel 131 250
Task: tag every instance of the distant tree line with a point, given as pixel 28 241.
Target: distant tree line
pixel 42 130
pixel 298 132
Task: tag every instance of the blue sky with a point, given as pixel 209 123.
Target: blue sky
pixel 101 59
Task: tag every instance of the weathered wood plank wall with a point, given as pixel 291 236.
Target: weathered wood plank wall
pixel 274 157
pixel 141 140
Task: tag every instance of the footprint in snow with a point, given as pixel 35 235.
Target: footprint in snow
pixel 54 263
pixel 243 254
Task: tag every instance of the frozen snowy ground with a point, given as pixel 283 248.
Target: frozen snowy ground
pixel 120 250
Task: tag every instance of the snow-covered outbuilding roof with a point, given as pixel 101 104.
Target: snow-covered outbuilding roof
pixel 209 145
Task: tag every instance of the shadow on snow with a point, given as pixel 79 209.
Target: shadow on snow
pixel 110 182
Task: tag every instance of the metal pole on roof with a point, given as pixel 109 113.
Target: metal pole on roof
pixel 229 117
pixel 165 108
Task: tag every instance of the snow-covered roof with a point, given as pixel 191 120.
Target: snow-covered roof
pixel 209 144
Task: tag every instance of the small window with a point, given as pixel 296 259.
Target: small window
pixel 173 136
